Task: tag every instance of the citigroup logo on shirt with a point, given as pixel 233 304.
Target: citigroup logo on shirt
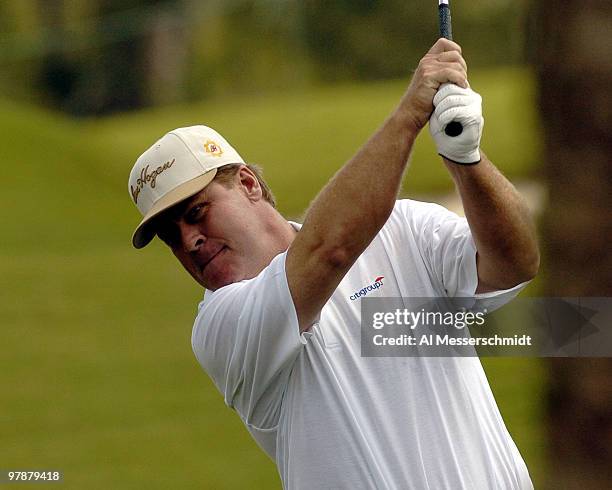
pixel 370 287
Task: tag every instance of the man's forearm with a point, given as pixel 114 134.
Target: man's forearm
pixel 357 201
pixel 345 217
pixel 500 223
pixel 351 209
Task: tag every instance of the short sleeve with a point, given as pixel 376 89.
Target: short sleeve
pixel 246 337
pixel 445 243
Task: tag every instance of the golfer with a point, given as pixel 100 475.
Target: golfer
pixel 278 329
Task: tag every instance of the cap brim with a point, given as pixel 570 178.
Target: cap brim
pixel 145 232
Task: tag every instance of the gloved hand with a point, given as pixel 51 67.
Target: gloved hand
pixel 454 103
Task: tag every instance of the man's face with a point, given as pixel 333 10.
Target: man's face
pixel 214 234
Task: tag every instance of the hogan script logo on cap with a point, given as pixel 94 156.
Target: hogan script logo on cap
pixel 176 167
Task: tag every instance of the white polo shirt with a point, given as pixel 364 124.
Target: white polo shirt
pixel 332 419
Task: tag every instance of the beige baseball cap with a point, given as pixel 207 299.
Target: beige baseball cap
pixel 179 165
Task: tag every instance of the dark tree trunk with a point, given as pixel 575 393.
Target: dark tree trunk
pixel 574 64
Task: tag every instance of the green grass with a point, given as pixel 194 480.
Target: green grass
pixel 98 378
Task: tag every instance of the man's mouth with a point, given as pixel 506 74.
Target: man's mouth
pixel 205 264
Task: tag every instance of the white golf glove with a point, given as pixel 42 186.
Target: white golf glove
pixel 463 105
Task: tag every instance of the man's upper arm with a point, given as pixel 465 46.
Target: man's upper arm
pixel 246 337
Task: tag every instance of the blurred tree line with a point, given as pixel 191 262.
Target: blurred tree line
pixel 574 99
pixel 90 57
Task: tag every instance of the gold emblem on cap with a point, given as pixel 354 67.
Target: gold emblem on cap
pixel 213 148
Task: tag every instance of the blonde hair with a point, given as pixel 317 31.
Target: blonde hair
pixel 226 173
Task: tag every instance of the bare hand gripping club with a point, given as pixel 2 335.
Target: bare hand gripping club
pixel 454 128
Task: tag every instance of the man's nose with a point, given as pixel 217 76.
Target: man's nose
pixel 192 237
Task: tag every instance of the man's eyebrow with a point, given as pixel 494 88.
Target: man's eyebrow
pixel 173 213
pixel 182 208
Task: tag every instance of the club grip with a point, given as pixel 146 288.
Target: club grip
pixel 444 17
pixel 454 128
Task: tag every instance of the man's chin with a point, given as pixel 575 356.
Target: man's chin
pixel 209 283
pixel 217 282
